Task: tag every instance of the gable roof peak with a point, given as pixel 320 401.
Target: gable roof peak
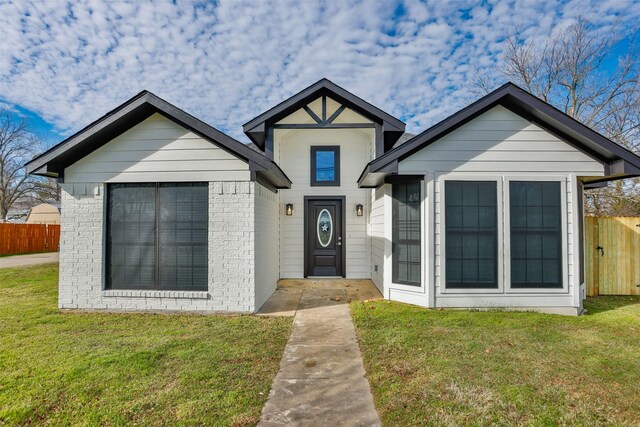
pixel 526 105
pixel 132 112
pixel 256 128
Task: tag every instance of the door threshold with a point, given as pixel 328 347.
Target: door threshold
pixel 324 277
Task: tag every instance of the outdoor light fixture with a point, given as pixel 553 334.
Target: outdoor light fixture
pixel 289 209
pixel 359 210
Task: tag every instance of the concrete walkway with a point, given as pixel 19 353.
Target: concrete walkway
pixel 31 259
pixel 322 378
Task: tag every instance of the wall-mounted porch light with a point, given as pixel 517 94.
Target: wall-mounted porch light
pixel 359 210
pixel 289 209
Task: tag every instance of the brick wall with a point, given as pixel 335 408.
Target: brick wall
pixel 231 255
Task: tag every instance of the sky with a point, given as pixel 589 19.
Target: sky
pixel 65 64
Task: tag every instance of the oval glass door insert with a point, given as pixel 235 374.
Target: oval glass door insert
pixel 325 228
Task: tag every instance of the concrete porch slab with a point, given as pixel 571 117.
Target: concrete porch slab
pixel 287 298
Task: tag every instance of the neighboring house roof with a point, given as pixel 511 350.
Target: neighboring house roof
pixel 53 162
pixel 256 128
pixel 44 213
pixel 618 161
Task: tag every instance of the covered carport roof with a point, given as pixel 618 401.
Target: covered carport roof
pixel 618 161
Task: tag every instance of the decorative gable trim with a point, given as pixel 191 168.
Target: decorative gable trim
pixel 258 128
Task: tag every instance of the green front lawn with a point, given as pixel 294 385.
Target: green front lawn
pixel 437 367
pixel 120 369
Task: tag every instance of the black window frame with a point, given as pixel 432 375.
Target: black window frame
pixel 108 282
pixel 463 230
pixel 395 229
pixel 336 157
pixel 542 231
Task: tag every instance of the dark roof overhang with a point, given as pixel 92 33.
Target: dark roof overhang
pixel 256 128
pixel 618 161
pixel 53 162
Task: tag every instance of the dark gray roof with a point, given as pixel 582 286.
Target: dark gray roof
pixel 618 161
pixel 404 138
pixel 53 162
pixel 256 128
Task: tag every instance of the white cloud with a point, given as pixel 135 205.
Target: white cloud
pixel 227 62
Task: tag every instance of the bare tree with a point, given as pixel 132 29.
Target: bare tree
pixel 46 190
pixel 18 144
pixel 567 72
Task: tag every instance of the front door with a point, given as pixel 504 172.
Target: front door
pixel 324 244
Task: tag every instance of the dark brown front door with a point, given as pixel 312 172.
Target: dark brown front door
pixel 324 243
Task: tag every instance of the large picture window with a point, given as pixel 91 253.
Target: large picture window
pixel 471 234
pixel 536 234
pixel 406 233
pixel 157 236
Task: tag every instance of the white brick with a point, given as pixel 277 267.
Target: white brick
pixel 232 253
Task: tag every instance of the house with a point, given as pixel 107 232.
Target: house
pixel 44 213
pixel 161 211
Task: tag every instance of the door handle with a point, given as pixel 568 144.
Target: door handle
pixel 339 243
pixel 601 250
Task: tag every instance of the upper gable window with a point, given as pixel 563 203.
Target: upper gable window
pixel 325 166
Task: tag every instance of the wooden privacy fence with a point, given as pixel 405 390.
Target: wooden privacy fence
pixel 612 255
pixel 23 238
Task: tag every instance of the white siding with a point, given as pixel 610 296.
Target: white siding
pixel 158 149
pixel 376 220
pixel 292 153
pixel 502 145
pixel 500 141
pixel 266 244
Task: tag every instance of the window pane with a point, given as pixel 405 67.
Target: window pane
pixel 536 234
pixel 454 270
pixel 131 242
pixel 518 271
pixel 325 166
pixel 453 216
pixel 470 246
pixel 183 228
pixel 175 216
pixel 471 234
pixel 486 272
pixel 406 233
pixel 470 216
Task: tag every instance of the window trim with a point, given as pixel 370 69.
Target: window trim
pixel 441 272
pixel 563 231
pixel 336 151
pixel 405 285
pixel 107 290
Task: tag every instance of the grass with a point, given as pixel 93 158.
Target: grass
pixel 436 367
pixel 124 369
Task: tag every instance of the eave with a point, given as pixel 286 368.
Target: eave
pixel 53 162
pixel 618 162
